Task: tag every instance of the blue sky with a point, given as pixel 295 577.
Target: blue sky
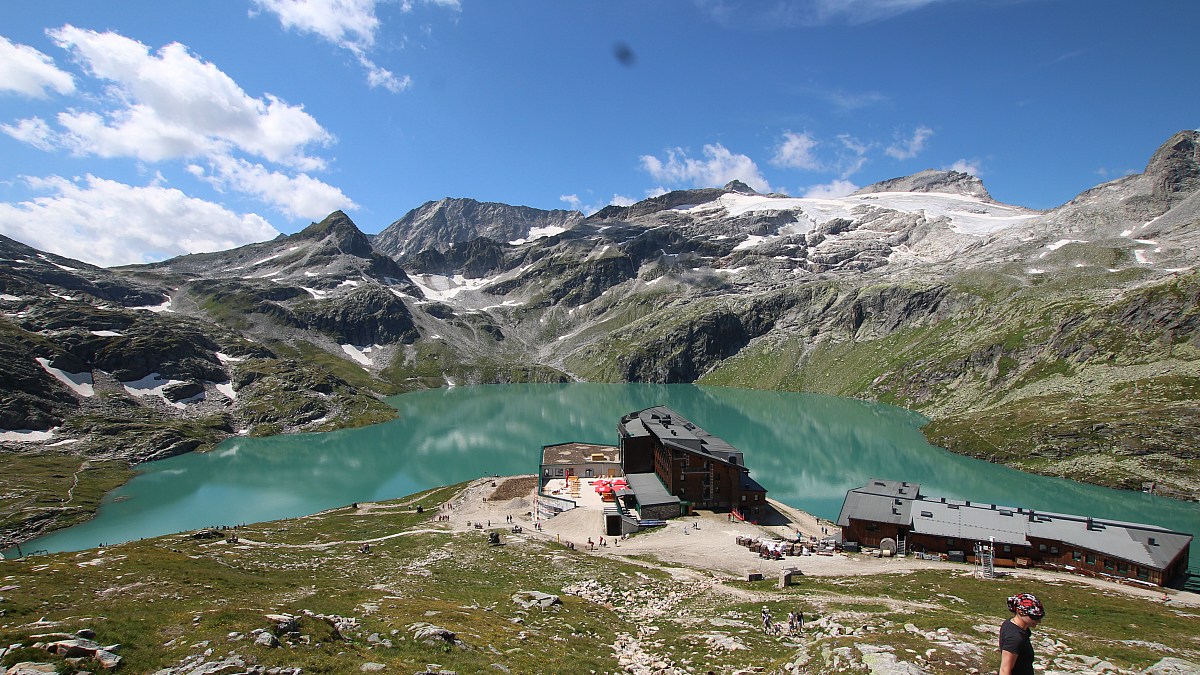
pixel 135 131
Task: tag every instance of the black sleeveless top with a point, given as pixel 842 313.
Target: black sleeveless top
pixel 1015 639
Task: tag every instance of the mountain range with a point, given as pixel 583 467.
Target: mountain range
pixel 1063 342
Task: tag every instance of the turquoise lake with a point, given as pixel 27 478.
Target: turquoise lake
pixel 807 450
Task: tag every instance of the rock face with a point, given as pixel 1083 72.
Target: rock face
pixel 437 225
pixel 954 182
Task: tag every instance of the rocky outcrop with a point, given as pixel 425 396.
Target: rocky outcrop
pixel 366 316
pixel 440 224
pixel 473 259
pixel 930 180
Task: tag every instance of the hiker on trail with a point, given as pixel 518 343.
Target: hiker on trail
pixel 791 622
pixel 800 620
pixel 766 619
pixel 1016 649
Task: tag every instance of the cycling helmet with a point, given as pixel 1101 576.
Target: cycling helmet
pixel 1026 604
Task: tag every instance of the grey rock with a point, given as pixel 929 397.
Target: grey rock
pixel 1173 666
pixel 266 639
pixel 31 668
pixel 531 599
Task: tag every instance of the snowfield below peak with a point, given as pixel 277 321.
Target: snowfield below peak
pixel 966 214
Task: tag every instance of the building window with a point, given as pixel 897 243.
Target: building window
pixel 743 497
pixel 1143 573
pixel 1090 558
pixel 558 472
pixel 1076 556
pixel 1007 548
pixel 1041 548
pixel 1123 568
pixel 950 541
pixel 1053 550
pixel 1108 564
pixel 872 527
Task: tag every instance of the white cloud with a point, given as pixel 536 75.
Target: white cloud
pixel 791 13
pixel 298 196
pixel 854 157
pixel 378 76
pixel 832 190
pixel 577 204
pixel 718 168
pixel 347 24
pixel 108 223
pixel 910 147
pixel 25 70
pixel 796 152
pixel 33 131
pixel 971 166
pixel 174 105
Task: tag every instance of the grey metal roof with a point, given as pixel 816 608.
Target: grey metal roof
pixel 955 519
pixel 884 501
pixel 748 484
pixel 1128 541
pixel 649 489
pixel 878 508
pixel 897 503
pixel 675 431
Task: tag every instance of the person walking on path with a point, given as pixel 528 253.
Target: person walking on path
pixel 1016 648
pixel 766 620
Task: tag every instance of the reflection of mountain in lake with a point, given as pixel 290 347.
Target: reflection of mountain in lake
pixel 807 450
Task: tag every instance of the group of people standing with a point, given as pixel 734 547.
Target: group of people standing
pixel 795 622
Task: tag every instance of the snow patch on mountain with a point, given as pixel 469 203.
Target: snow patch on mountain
pixel 165 307
pixel 442 288
pixel 155 385
pixel 360 354
pixel 536 233
pixel 27 435
pixel 226 388
pixel 966 214
pixel 80 383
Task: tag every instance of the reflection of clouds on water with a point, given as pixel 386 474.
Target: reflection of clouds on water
pixel 807 450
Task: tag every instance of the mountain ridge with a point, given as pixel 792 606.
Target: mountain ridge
pixel 1080 323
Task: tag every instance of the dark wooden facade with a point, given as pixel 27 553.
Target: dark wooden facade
pixel 701 469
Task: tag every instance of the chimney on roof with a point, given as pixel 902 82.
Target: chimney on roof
pixel 1031 515
pixel 1089 523
pixel 1151 541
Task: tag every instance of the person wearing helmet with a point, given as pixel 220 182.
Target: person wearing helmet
pixel 1016 649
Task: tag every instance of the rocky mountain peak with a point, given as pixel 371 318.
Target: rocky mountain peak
pixel 932 180
pixel 338 231
pixel 1175 166
pixel 739 186
pixel 442 223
